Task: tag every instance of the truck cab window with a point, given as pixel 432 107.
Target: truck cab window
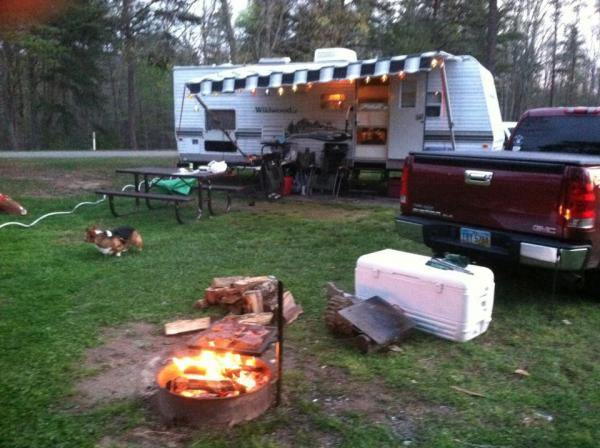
pixel 566 134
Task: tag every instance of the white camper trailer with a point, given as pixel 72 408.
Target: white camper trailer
pixel 376 110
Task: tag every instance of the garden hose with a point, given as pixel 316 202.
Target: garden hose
pixel 102 199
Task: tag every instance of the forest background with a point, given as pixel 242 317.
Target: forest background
pixel 72 67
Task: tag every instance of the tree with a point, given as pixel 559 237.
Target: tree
pixel 492 35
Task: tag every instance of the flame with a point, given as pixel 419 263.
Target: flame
pixel 209 365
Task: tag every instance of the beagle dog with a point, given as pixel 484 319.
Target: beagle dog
pixel 115 241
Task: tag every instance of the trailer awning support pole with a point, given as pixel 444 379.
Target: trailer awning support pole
pixel 447 103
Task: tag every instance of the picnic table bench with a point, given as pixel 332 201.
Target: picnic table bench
pixel 203 178
pixel 176 199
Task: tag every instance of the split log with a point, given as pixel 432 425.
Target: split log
pixel 334 321
pixel 230 299
pixel 250 282
pixel 224 282
pixel 236 308
pixel 212 295
pixel 252 318
pixel 269 294
pixel 333 290
pixel 185 326
pixel 291 310
pixel 253 301
pixel 201 304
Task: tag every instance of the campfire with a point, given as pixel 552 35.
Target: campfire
pixel 210 374
pixel 222 377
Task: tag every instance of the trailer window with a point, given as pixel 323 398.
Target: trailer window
pixel 408 96
pixel 371 136
pixel 332 101
pixel 433 106
pixel 220 119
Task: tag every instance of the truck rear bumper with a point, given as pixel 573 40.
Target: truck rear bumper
pixel 508 246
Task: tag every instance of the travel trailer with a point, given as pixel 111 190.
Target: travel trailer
pixel 374 111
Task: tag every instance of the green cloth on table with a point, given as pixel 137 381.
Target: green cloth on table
pixel 177 186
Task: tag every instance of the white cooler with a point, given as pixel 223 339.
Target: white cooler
pixel 447 303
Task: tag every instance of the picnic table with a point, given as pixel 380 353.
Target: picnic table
pixel 204 179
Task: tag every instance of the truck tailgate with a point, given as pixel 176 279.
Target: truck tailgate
pixel 495 193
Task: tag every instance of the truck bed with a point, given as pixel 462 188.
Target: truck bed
pixel 522 194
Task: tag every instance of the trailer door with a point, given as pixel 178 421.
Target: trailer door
pixel 407 115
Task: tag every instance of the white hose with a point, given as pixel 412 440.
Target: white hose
pixel 20 224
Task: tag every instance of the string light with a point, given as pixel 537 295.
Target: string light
pixel 384 78
pixel 294 88
pixel 368 80
pixel 309 86
pixel 434 63
pixel 402 75
pixel 267 91
pixel 253 91
pixel 280 91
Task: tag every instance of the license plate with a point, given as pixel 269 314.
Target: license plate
pixel 477 237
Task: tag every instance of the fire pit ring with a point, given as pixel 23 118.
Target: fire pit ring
pixel 177 409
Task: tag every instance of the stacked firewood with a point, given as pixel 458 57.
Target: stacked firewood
pixel 249 295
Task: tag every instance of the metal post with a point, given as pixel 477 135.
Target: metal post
pixel 447 103
pixel 279 342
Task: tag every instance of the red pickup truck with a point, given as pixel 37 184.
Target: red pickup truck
pixel 538 203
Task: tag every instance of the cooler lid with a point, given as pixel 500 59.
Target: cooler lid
pixel 413 265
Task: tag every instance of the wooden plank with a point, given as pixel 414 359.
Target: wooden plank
pixel 186 325
pixel 252 318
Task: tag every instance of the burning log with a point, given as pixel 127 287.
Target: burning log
pixel 218 387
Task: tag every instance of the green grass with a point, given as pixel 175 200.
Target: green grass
pixel 57 293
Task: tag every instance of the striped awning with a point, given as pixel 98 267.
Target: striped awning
pixel 257 76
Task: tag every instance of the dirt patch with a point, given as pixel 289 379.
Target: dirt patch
pixel 125 365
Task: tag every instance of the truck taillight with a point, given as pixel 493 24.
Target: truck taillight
pixel 404 188
pixel 578 208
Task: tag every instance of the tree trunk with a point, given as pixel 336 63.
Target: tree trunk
pixel 492 35
pixel 8 94
pixel 556 17
pixel 228 27
pixel 129 56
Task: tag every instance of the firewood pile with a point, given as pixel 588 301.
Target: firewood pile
pixel 252 297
